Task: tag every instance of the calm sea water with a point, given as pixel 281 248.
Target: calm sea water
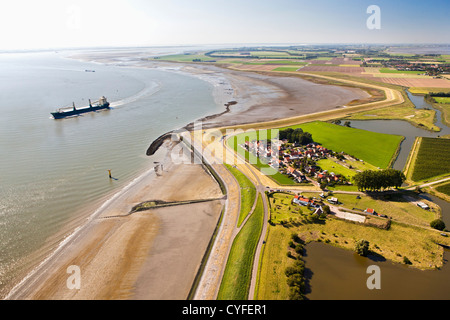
pixel 52 171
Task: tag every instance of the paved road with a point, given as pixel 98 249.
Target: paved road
pixel 430 183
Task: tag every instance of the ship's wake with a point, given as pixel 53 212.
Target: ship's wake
pixel 147 91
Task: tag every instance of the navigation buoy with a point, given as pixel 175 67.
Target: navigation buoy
pixel 109 172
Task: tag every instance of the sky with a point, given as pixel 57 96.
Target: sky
pixel 31 24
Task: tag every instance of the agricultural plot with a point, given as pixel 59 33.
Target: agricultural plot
pixel 445 189
pixel 287 69
pixel 413 82
pixel 388 70
pixel 432 159
pixel 331 68
pixel 442 99
pixel 345 61
pixel 376 148
pixel 425 90
pixel 257 67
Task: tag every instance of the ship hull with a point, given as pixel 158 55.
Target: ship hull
pixel 61 115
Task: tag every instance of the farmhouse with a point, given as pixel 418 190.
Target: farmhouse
pixel 302 201
pixel 370 211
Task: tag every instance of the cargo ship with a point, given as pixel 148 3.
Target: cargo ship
pixel 102 103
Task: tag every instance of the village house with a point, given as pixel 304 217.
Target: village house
pixel 302 201
pixel 291 157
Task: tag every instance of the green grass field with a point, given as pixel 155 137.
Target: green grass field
pixel 432 159
pixel 289 69
pixel 375 148
pixel 387 70
pixel 332 166
pixel 236 279
pixel 442 99
pixel 248 193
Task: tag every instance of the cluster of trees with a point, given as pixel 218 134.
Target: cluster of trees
pixel 295 272
pixel 362 247
pixel 296 135
pixel 339 122
pixel 374 180
pixel 438 224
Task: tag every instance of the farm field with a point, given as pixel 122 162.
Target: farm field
pixel 326 61
pixel 415 82
pixel 377 149
pixel 288 69
pixel 425 90
pixel 442 99
pixel 432 159
pixel 331 68
pixel 444 188
pixel 388 70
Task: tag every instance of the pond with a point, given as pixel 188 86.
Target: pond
pixel 334 273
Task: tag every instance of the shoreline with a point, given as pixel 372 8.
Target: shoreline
pixel 257 102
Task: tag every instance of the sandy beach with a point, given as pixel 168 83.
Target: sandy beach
pixel 156 254
pixel 153 254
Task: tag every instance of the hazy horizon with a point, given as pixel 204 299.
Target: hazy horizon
pixel 47 24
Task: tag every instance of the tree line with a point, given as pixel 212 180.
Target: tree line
pixel 296 135
pixel 376 180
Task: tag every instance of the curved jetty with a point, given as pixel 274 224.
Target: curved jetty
pixel 158 142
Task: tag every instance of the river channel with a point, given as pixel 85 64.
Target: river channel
pixel 334 273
